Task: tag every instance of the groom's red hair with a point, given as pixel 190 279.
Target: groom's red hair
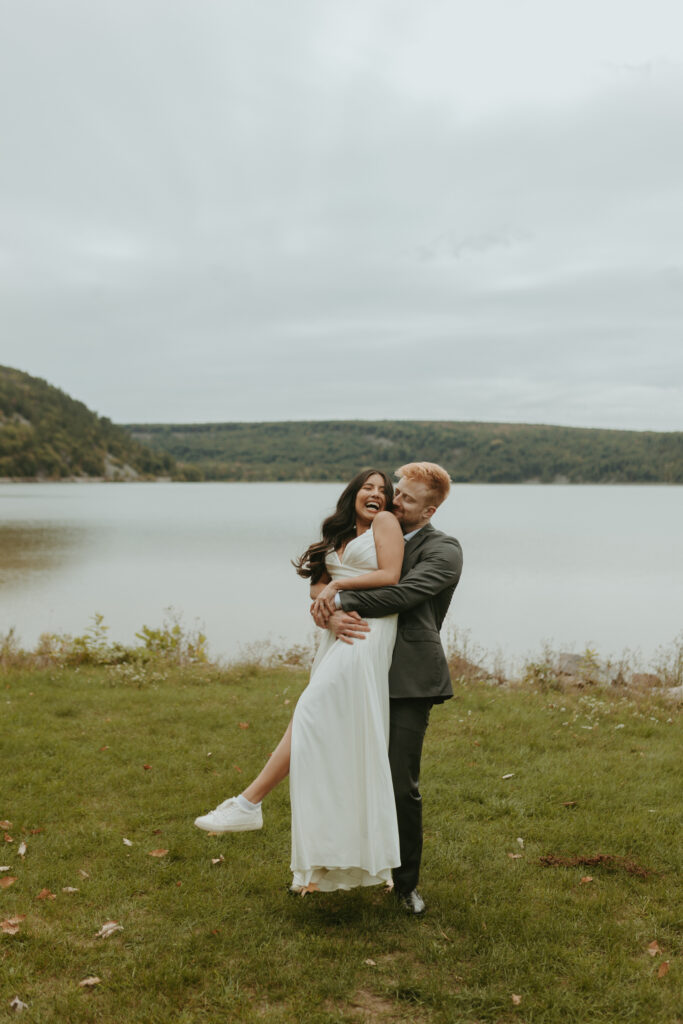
pixel 435 477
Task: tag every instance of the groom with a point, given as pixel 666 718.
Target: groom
pixel 418 677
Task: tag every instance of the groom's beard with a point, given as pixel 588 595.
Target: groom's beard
pixel 407 527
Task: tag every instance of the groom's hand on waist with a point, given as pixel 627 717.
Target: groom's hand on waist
pixel 347 626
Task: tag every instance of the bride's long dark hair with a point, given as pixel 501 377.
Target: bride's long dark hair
pixel 339 527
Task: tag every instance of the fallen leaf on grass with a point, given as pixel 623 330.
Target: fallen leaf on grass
pixel 156 831
pixel 5 825
pixel 663 969
pixel 370 963
pixel 69 888
pixel 286 702
pixel 36 831
pixel 516 999
pixel 127 842
pixel 147 767
pixel 108 928
pixel 6 881
pixel 514 856
pixel 510 775
pixel 17 1005
pixel 158 853
pixel 586 879
pixel 237 769
pixel 653 949
pixel 89 982
pixel 45 894
pixel 520 841
pixel 569 803
pixel 8 838
pixel 83 874
pixel 10 926
pixel 218 860
pixel 244 725
pixel 21 850
pixel 4 867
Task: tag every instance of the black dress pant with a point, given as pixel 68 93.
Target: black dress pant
pixel 408 721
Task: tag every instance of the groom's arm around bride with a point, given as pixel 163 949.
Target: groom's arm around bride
pixel 432 566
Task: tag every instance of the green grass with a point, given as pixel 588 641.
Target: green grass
pixel 226 942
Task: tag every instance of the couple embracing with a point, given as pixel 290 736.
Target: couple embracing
pixel 382 579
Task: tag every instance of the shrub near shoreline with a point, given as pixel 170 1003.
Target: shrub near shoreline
pixel 173 642
pixel 551 851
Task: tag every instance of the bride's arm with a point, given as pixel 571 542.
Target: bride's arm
pixel 317 588
pixel 389 545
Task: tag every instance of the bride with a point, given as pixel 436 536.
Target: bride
pixel 344 829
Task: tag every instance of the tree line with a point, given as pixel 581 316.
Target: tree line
pixel 471 452
pixel 46 434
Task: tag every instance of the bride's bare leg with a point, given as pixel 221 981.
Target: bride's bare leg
pixel 274 771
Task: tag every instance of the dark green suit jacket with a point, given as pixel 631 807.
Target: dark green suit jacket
pixel 432 564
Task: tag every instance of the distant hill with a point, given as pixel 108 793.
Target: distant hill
pixel 471 452
pixel 45 434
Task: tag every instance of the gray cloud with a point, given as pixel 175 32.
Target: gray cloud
pixel 306 210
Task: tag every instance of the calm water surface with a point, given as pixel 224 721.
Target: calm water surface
pixel 573 566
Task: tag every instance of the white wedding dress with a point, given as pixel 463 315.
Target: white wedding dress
pixel 344 830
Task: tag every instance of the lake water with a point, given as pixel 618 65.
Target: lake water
pixel 571 566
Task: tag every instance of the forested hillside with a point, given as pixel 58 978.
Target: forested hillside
pixel 46 434
pixel 471 452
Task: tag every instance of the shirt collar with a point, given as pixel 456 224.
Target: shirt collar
pixel 409 536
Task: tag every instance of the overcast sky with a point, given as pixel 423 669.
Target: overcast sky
pixel 295 209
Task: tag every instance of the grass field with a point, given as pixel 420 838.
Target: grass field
pixel 95 755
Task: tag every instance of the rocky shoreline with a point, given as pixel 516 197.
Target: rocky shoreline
pixel 569 671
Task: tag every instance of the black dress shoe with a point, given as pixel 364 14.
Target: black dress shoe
pixel 411 902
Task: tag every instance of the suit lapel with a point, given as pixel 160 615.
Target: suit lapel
pixel 413 546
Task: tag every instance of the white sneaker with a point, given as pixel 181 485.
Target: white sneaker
pixel 230 817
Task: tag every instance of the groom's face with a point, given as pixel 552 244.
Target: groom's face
pixel 413 504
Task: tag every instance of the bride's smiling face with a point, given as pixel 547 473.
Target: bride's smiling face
pixel 371 499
